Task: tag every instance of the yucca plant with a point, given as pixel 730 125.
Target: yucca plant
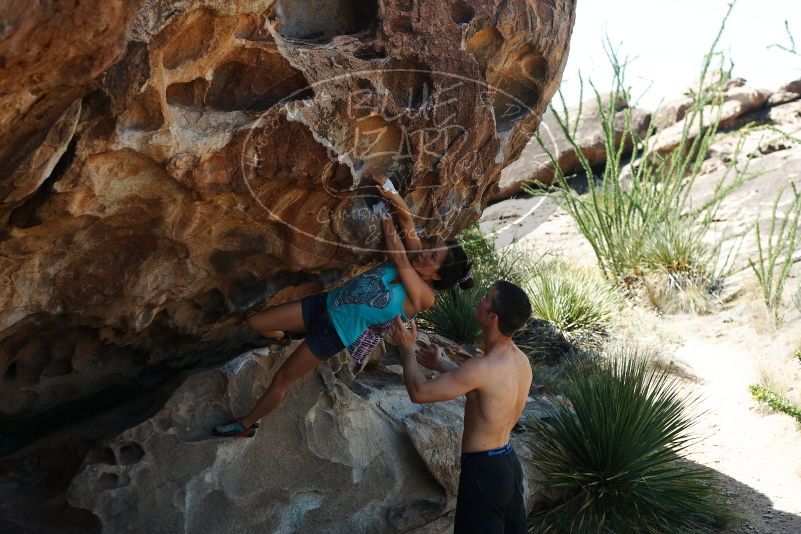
pixel 640 218
pixel 513 263
pixel 614 452
pixel 451 315
pixel 776 249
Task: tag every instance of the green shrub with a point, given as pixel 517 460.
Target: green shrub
pixel 776 401
pixel 554 365
pixel 452 313
pixel 452 316
pixel 614 453
pixel 775 251
pixel 671 292
pixel 640 218
pixel 513 263
pixel 572 300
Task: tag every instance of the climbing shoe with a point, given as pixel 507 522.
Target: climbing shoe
pixel 235 429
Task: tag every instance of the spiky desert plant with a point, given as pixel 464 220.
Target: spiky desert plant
pixel 776 249
pixel 573 300
pixel 641 217
pixel 614 451
pixel 451 315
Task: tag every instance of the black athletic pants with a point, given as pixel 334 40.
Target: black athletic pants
pixel 490 499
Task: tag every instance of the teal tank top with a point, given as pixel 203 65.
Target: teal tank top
pixel 367 300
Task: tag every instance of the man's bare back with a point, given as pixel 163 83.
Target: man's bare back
pixel 493 408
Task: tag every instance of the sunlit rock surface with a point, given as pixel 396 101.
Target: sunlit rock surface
pixel 165 165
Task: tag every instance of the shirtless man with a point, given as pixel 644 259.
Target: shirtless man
pixel 490 498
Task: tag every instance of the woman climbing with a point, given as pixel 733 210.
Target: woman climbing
pixel 358 313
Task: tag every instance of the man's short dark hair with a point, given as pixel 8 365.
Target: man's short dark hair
pixel 511 305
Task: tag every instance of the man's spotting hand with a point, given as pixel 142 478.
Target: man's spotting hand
pixel 430 358
pixel 403 338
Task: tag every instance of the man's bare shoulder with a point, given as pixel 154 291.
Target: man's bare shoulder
pixel 506 354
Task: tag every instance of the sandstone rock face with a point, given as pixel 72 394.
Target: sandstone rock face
pixel 164 164
pixel 340 456
pixel 534 163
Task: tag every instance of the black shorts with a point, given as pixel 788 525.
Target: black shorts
pixel 490 498
pixel 321 336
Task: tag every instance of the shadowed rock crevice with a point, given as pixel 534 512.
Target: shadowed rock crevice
pixel 25 215
pixel 241 83
pixel 518 87
pixel 322 20
pixel 189 94
pixel 484 44
pixel 409 81
pixel 461 13
pixel 145 113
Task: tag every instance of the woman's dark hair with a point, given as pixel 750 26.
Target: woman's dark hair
pixel 511 305
pixel 454 269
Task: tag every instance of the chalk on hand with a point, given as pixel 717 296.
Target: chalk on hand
pixel 380 209
pixel 389 186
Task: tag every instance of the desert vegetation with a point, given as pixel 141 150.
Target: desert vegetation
pixel 615 449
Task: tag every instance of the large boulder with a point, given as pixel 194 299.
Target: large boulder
pixel 167 164
pixel 339 456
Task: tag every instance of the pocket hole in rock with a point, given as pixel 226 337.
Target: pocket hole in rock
pixel 101 455
pixel 321 20
pixel 190 94
pixel 145 113
pixel 461 13
pixel 131 453
pixel 409 82
pixel 60 367
pixel 484 45
pixel 11 372
pixel 107 481
pixel 517 88
pixel 367 53
pixel 255 80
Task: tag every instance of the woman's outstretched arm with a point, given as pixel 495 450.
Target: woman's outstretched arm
pixel 419 293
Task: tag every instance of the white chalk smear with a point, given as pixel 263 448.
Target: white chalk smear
pixel 389 186
pixel 380 209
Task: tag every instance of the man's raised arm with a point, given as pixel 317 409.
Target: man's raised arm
pixel 450 385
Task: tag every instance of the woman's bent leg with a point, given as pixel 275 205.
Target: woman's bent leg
pixel 273 322
pixel 298 365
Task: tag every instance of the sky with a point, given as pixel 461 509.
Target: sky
pixel 665 42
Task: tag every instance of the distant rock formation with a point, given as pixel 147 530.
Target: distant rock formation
pixel 535 165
